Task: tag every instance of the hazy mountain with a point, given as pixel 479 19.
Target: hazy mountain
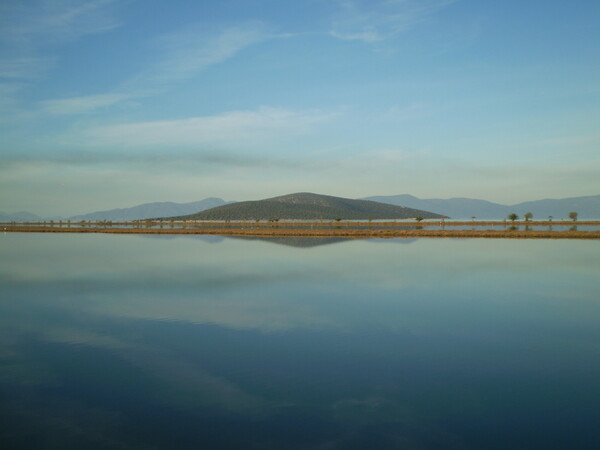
pixel 150 210
pixel 586 207
pixel 465 208
pixel 309 206
pixel 457 208
pixel 21 216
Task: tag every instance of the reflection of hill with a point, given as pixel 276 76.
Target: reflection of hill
pixel 300 242
pixel 394 240
pixel 209 238
pixel 290 241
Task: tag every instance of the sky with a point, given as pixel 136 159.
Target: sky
pixel 112 103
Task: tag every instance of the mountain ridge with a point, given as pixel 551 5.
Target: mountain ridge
pixel 20 216
pixel 154 209
pixel 587 207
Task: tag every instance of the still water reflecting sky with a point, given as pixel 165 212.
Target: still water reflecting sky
pixel 115 341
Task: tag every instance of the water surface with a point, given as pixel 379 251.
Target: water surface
pixel 116 341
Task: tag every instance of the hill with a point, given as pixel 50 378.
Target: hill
pixel 309 206
pixel 464 208
pixel 150 210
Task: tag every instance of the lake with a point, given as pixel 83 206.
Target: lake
pixel 119 341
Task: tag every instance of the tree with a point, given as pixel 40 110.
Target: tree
pixel 418 218
pixel 513 217
pixel 528 216
pixel 573 216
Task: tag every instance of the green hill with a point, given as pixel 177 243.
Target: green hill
pixel 309 206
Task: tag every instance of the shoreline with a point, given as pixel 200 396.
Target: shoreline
pixel 335 230
pixel 293 222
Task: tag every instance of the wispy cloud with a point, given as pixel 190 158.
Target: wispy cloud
pixel 31 30
pixel 230 129
pixel 43 22
pixel 23 67
pixel 184 54
pixel 180 56
pixel 154 160
pixel 247 138
pixel 7 90
pixel 80 105
pixel 374 21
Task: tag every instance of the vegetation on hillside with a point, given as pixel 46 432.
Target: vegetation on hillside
pixel 309 206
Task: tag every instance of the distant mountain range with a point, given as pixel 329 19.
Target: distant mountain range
pixel 457 208
pixel 465 208
pixel 305 205
pixel 22 216
pixel 148 210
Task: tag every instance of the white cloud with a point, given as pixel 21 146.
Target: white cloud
pixel 23 67
pixel 374 21
pixel 45 22
pixel 29 30
pixel 182 55
pixel 235 128
pixel 186 53
pixel 79 105
pixel 7 91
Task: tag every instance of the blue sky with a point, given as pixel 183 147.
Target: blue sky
pixel 110 103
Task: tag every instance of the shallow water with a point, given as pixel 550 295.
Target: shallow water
pixel 188 341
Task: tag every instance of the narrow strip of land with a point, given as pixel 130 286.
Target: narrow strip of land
pixel 314 223
pixel 317 229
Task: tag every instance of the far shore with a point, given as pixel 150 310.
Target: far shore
pixel 325 228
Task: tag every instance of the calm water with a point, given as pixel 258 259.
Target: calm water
pixel 186 342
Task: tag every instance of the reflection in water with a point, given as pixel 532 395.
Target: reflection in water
pixel 299 242
pixel 122 341
pixel 208 238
